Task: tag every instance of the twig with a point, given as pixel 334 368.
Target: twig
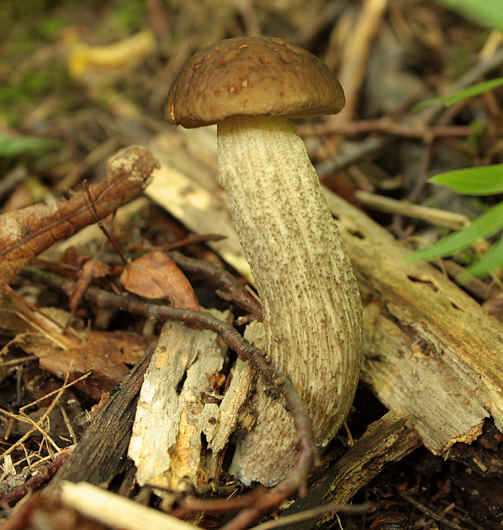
pixel 421 177
pixel 355 56
pixel 37 481
pixel 38 426
pixel 101 152
pixel 474 286
pixel 19 360
pixel 235 291
pixel 351 153
pixel 477 71
pixel 157 17
pixel 68 424
pixel 194 239
pixel 408 209
pixel 353 509
pixel 386 126
pixel 370 146
pixel 64 387
pixel 248 12
pixel 36 318
pixel 101 225
pixel 12 179
pixel 428 511
pixel 295 481
pixel 193 505
pixel 40 225
pixel 308 33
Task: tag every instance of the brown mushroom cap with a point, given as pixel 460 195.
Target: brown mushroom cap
pixel 252 76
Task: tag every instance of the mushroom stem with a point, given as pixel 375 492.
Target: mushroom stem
pixel 311 303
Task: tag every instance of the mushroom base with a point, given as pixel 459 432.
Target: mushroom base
pixel 311 302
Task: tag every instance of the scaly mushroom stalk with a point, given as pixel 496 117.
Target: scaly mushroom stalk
pixel 312 310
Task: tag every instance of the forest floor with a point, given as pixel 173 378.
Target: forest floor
pixel 81 82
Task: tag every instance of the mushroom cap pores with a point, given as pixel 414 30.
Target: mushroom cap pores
pixel 252 76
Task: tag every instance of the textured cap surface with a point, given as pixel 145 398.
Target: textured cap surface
pixel 252 76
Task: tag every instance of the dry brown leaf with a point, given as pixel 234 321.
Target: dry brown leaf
pixel 108 356
pixel 25 233
pixel 155 275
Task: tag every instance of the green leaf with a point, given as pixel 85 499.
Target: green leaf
pixel 487 13
pixel 484 180
pixel 26 145
pixel 485 226
pixel 493 259
pixel 461 95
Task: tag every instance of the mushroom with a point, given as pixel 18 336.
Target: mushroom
pixel 312 310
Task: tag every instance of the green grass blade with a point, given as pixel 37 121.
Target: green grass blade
pixel 485 226
pixel 491 261
pixel 487 13
pixel 26 145
pixel 461 95
pixel 485 180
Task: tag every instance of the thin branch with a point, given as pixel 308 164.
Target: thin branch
pixel 38 480
pixel 234 290
pixel 387 126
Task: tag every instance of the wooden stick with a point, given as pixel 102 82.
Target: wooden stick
pixel 116 511
pixel 451 220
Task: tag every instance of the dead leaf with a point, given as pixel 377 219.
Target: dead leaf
pixel 108 356
pixel 122 54
pixel 155 275
pixel 25 233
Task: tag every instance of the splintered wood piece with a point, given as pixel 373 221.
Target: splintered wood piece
pixel 114 510
pixel 388 439
pixel 100 455
pixel 178 407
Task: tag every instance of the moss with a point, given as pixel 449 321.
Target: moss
pixel 130 14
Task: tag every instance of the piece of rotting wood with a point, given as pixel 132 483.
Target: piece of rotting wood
pixel 183 422
pixel 100 454
pixel 429 348
pixel 388 439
